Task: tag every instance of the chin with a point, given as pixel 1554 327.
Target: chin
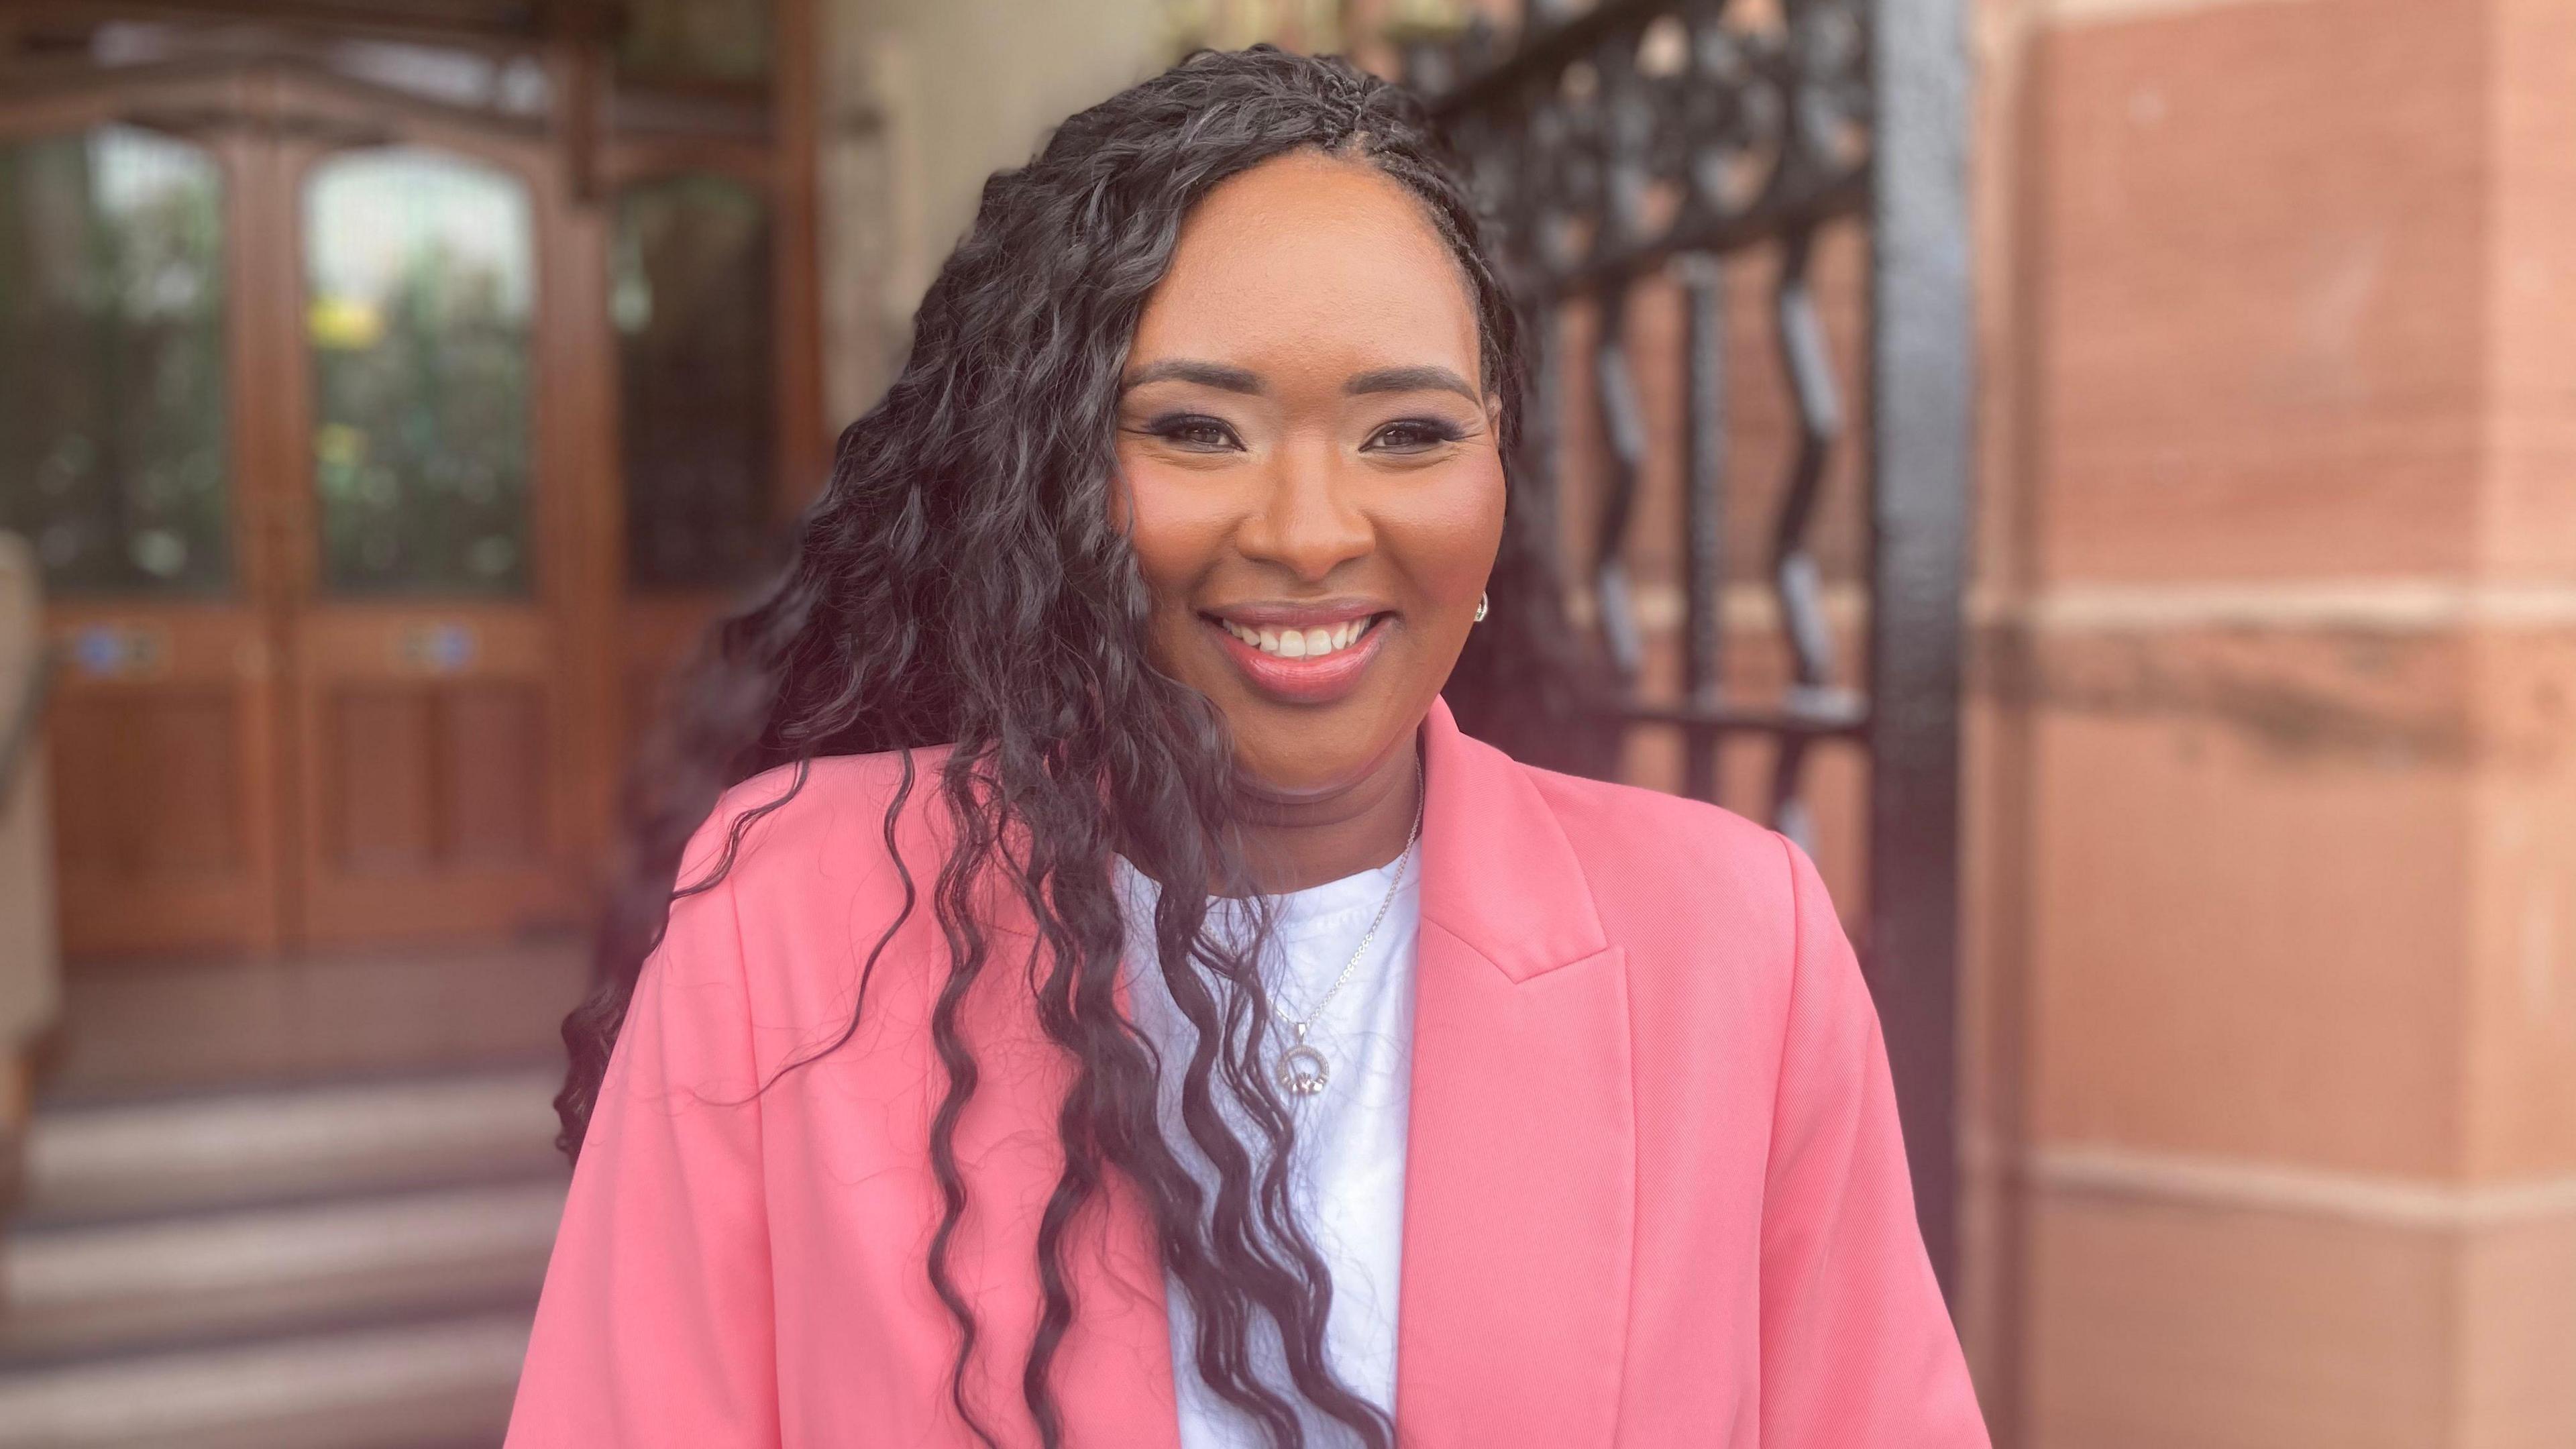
pixel 1266 782
pixel 1314 755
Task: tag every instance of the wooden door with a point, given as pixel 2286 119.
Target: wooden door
pixel 123 416
pixel 428 582
pixel 304 429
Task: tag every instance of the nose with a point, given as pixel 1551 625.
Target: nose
pixel 1307 521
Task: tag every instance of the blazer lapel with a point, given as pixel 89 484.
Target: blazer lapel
pixel 1520 1163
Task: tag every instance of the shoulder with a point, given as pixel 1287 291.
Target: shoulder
pixel 788 886
pixel 794 821
pixel 1627 829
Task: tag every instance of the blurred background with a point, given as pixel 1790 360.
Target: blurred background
pixel 2100 472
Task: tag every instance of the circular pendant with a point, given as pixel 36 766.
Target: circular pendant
pixel 1302 1071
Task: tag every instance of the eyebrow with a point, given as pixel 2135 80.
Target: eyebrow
pixel 1236 379
pixel 1206 374
pixel 1411 379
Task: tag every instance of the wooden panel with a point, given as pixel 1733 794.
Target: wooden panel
pixel 427 779
pixel 380 809
pixel 184 749
pixel 164 831
pixel 157 774
pixel 493 750
pixel 430 801
pixel 88 837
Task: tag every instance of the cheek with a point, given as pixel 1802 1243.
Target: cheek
pixel 1157 518
pixel 1449 541
pixel 1177 536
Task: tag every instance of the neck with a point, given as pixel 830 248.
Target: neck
pixel 1293 843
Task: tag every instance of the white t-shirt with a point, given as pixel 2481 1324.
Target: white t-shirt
pixel 1348 1174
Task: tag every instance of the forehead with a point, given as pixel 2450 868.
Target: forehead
pixel 1307 256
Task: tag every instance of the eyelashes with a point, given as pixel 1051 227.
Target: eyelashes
pixel 1415 435
pixel 1200 433
pixel 1196 432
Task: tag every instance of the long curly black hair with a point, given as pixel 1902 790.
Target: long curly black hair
pixel 962 581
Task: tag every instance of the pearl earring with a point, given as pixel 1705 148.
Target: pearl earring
pixel 1483 601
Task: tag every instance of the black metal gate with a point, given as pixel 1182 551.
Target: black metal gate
pixel 1653 143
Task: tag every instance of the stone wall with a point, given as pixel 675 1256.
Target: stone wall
pixel 2273 770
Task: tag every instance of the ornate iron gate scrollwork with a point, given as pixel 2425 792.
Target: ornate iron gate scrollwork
pixel 1648 141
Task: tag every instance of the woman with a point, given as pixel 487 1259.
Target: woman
pixel 1117 1006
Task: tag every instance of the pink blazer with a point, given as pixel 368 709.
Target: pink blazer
pixel 1654 1191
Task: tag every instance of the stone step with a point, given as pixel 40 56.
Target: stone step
pixel 115 1286
pixel 432 1384
pixel 86 1163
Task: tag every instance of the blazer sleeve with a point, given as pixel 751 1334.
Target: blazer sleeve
pixel 1858 1351
pixel 655 1326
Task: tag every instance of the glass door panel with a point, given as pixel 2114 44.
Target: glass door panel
pixel 693 304
pixel 420 284
pixel 112 436
pixel 690 298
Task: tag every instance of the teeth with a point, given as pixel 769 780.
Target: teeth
pixel 1301 643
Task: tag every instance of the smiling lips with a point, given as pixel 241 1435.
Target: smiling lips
pixel 1295 643
pixel 1300 657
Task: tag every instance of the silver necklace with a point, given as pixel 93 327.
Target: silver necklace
pixel 1301 1070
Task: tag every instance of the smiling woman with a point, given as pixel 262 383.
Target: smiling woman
pixel 1083 988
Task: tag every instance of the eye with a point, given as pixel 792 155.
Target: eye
pixel 1194 432
pixel 1413 435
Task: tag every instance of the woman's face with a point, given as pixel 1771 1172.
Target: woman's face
pixel 1313 482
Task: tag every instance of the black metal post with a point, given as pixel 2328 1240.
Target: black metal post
pixel 1921 383
pixel 1703 281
